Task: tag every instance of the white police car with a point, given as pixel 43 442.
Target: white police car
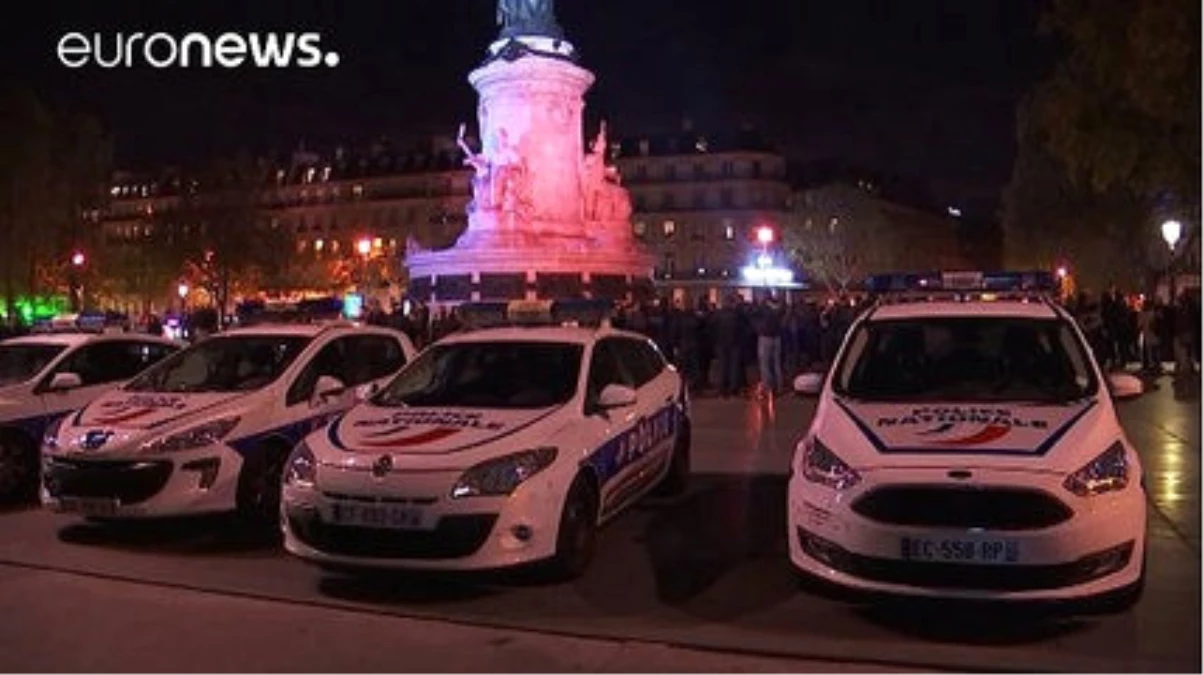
pixel 45 376
pixel 208 429
pixel 965 445
pixel 496 447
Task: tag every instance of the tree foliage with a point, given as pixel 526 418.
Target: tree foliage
pixel 52 168
pixel 1122 108
pixel 839 235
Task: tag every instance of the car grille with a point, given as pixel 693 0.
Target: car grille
pixel 129 482
pixel 965 576
pixel 455 537
pixel 963 507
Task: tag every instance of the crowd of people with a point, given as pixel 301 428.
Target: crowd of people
pixel 742 347
pixel 1124 330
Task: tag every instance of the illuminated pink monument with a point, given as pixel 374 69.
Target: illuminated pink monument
pixel 548 218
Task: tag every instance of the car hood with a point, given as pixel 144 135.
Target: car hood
pixel 910 434
pixel 144 411
pixel 368 431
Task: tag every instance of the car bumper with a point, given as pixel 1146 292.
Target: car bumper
pixel 199 481
pixel 1098 548
pixel 325 524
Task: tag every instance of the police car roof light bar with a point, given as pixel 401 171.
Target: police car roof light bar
pixel 479 315
pixel 964 285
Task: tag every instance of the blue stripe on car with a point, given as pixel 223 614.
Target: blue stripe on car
pixel 291 433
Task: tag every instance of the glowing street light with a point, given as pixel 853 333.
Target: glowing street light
pixel 78 259
pixel 364 246
pixel 764 235
pixel 1062 272
pixel 182 289
pixel 1171 232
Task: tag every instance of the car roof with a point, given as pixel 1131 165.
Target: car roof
pixel 971 309
pixel 567 334
pixel 75 339
pixel 310 330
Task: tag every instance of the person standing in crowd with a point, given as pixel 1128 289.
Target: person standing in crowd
pixel 725 327
pixel 768 323
pixel 687 344
pixel 1150 341
pixel 705 344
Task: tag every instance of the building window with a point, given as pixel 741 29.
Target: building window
pixel 725 197
pixel 645 147
pixel 756 169
pixel 699 171
pixel 728 230
pixel 319 245
pixel 670 172
pixel 670 264
pixel 640 203
pixel 699 199
pixel 357 190
pixel 641 171
pixel 670 201
pixel 728 169
pixel 309 174
pixel 670 228
pixel 639 228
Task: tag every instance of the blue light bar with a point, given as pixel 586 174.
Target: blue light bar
pixel 998 282
pixel 535 313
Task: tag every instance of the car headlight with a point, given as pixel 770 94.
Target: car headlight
pixel 50 437
pixel 499 477
pixel 195 437
pixel 1105 473
pixel 821 465
pixel 301 468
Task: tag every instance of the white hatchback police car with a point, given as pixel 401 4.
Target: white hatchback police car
pixel 496 447
pixel 208 429
pixel 965 445
pixel 44 376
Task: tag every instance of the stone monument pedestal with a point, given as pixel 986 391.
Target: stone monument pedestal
pixel 547 220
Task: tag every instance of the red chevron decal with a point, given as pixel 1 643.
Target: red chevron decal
pixel 989 433
pixel 409 441
pixel 125 416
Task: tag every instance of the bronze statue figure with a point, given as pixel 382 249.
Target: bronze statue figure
pixel 533 18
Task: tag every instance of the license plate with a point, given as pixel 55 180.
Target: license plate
pixel 383 516
pixel 972 551
pixel 89 506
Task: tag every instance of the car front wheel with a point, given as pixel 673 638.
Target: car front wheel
pixel 576 540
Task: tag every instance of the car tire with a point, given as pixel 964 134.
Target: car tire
pixel 676 480
pixel 19 468
pixel 576 540
pixel 259 485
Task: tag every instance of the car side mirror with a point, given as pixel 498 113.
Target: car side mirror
pixel 809 384
pixel 327 387
pixel 615 396
pixel 1124 386
pixel 65 382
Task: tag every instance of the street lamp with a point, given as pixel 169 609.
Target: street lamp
pixel 764 235
pixel 1171 232
pixel 78 259
pixel 77 295
pixel 182 290
pixel 364 246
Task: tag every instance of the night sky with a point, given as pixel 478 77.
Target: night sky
pixel 923 88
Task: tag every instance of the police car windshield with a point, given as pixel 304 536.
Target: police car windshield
pixel 20 363
pixel 501 375
pixel 965 359
pixel 223 364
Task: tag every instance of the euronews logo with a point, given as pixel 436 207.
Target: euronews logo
pixel 195 50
